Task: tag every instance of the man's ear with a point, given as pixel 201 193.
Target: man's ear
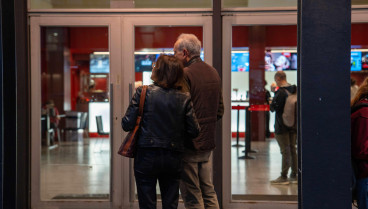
pixel 185 52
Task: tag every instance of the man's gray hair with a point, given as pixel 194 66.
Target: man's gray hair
pixel 189 42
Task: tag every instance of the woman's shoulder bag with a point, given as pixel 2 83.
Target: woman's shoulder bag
pixel 128 147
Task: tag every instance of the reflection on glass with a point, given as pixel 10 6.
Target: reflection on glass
pixel 259 3
pixel 250 178
pixel 359 2
pixel 107 4
pixel 75 153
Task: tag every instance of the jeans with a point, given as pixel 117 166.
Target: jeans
pixel 152 164
pixel 196 185
pixel 362 193
pixel 287 143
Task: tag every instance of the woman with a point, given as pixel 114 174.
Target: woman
pixel 359 142
pixel 168 120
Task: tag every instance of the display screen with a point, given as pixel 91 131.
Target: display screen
pixel 239 61
pixel 281 61
pixel 365 60
pixel 276 61
pixel 143 62
pixel 273 61
pixel 99 63
pixel 356 61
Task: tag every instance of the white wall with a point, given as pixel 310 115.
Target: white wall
pixel 240 80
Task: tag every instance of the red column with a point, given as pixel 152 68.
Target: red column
pixel 257 46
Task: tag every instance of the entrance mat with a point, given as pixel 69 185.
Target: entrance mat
pixel 266 197
pixel 82 196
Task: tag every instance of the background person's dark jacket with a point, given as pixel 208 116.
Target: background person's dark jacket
pixel 205 89
pixel 278 104
pixel 359 138
pixel 168 118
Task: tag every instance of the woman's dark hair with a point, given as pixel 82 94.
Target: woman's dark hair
pixel 168 72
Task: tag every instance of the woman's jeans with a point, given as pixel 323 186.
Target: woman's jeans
pixel 152 164
pixel 362 193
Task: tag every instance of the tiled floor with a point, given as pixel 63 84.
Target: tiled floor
pixel 76 170
pixel 251 177
pixel 81 170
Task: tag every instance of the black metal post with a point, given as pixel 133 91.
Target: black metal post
pixel 15 105
pixel 247 135
pixel 217 64
pixel 237 128
pixel 324 118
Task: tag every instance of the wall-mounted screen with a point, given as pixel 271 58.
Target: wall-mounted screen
pixel 239 61
pixel 99 63
pixel 144 59
pixel 274 61
pixel 281 61
pixel 356 61
pixel 143 62
pixel 365 60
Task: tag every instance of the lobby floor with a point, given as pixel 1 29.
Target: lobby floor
pixel 81 170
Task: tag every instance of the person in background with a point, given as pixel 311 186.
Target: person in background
pixel 204 85
pixel 359 142
pixel 267 113
pixel 353 88
pixel 286 137
pixel 51 110
pixel 168 120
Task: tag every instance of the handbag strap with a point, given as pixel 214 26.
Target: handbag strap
pixel 142 99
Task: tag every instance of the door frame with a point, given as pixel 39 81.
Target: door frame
pixel 113 24
pixel 263 18
pixel 359 15
pixel 129 23
pixel 121 34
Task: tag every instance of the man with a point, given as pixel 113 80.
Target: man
pixel 204 85
pixel 286 137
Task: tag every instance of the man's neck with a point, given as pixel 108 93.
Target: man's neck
pixel 284 83
pixel 191 60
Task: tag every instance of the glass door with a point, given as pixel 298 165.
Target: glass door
pixel 255 48
pixel 76 71
pixel 146 37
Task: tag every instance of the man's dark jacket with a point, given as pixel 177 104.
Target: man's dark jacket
pixel 168 118
pixel 278 104
pixel 205 89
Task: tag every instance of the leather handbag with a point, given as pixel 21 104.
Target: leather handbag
pixel 128 147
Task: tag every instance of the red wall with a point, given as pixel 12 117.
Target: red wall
pixel 88 40
pixel 286 35
pixel 359 34
pixel 162 37
pixel 280 35
pixel 82 42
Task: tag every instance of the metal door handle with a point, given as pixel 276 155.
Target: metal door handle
pixel 130 91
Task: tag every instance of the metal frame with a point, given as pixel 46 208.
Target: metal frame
pixel 283 18
pixel 128 24
pixel 359 15
pixel 121 34
pixel 113 23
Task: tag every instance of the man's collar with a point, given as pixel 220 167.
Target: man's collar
pixel 192 60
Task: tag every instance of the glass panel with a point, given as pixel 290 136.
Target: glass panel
pixel 106 4
pixel 359 56
pixel 150 42
pixel 255 153
pixel 75 156
pixel 259 3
